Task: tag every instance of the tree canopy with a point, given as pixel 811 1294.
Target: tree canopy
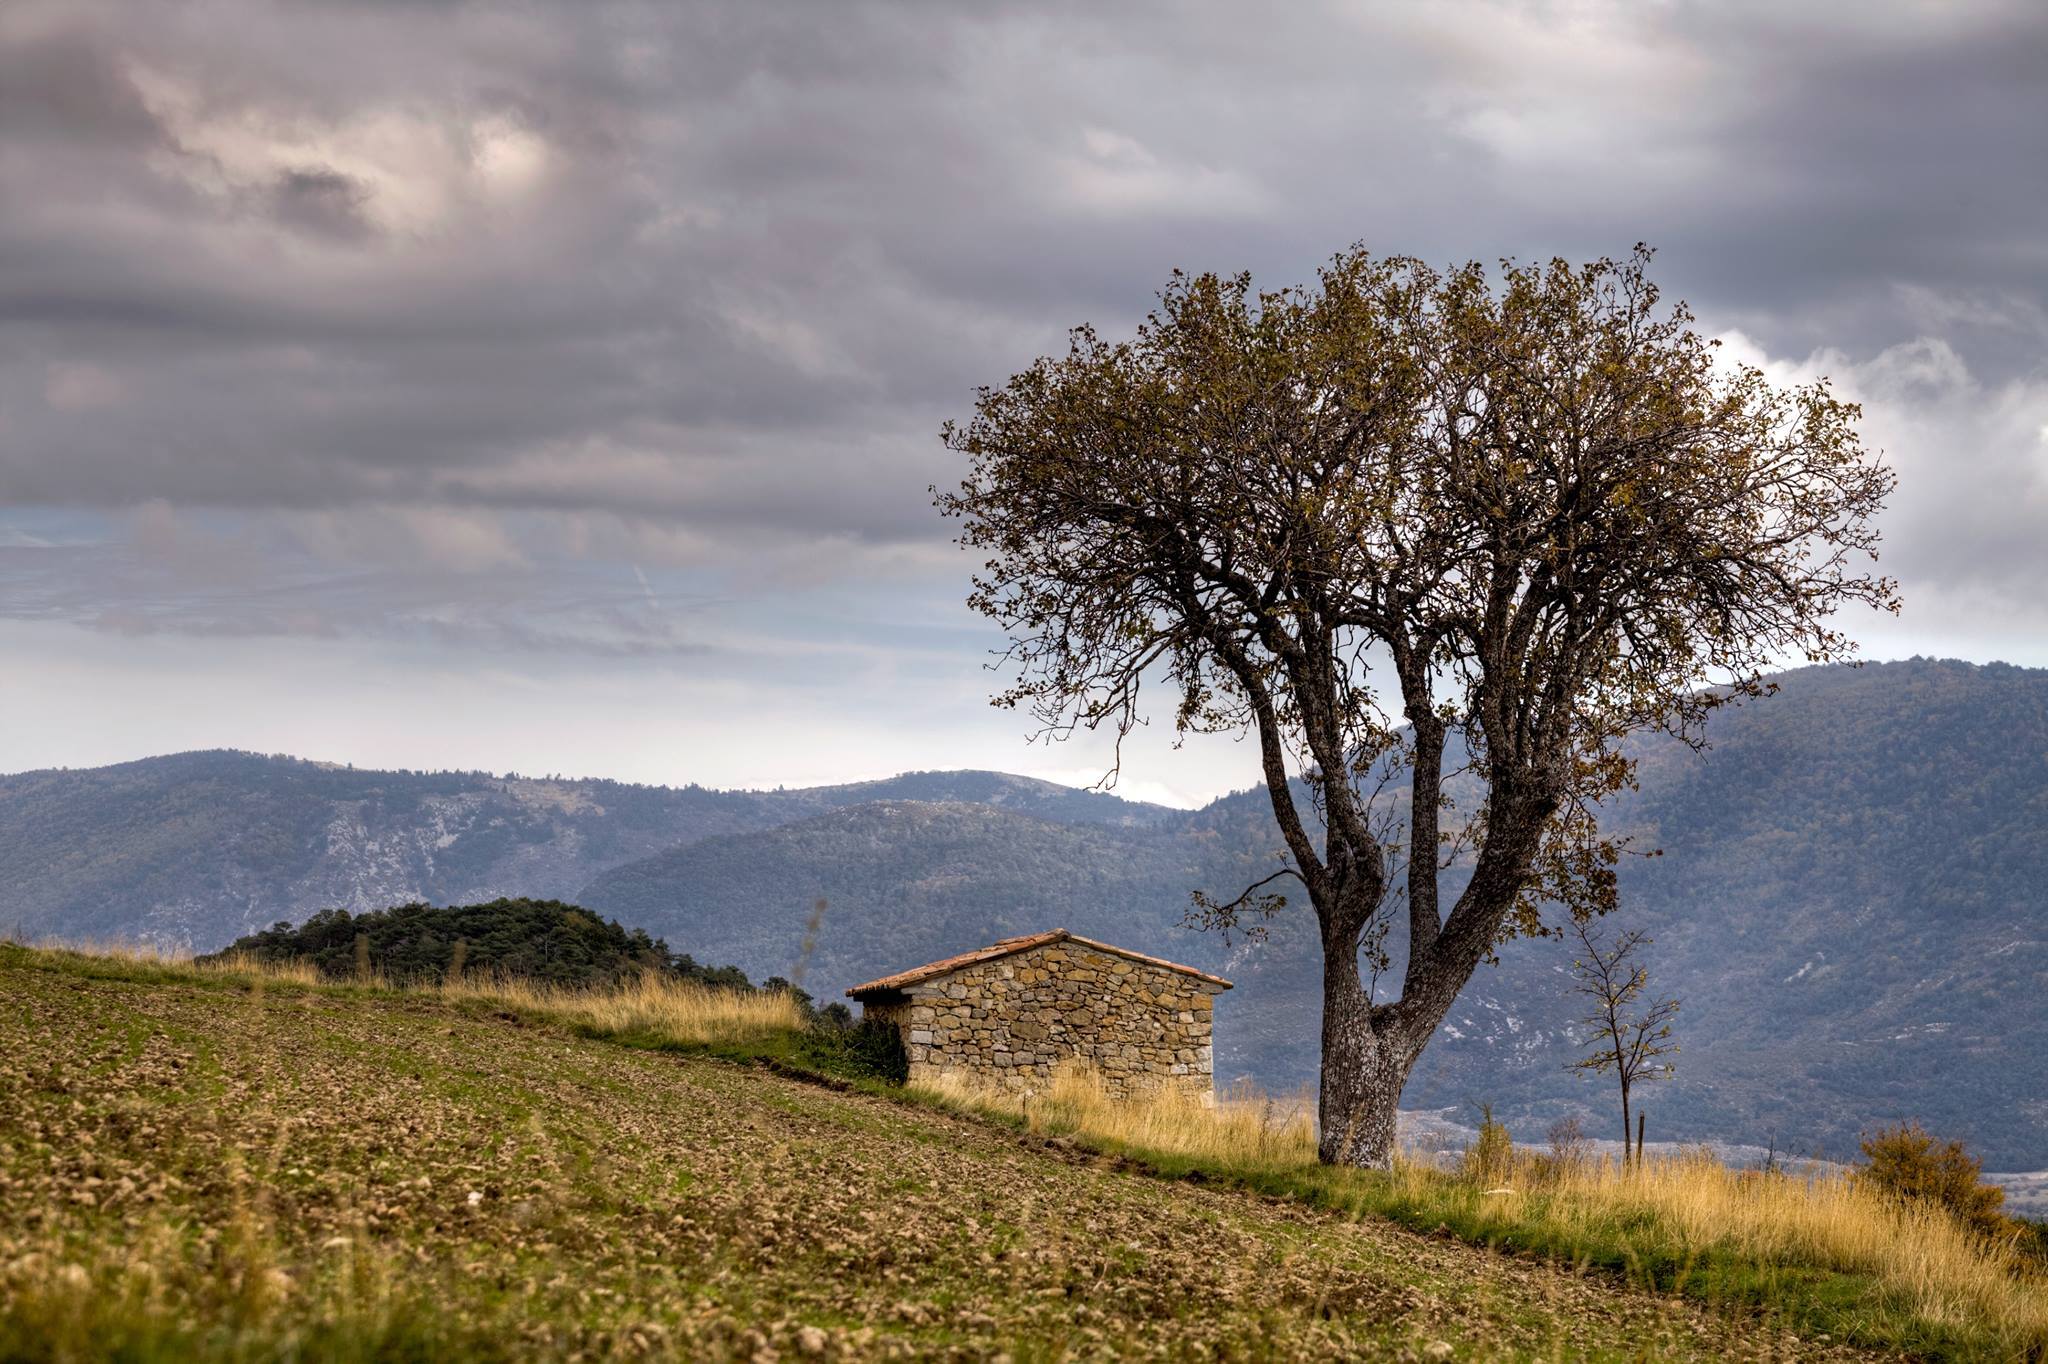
pixel 1405 516
pixel 544 940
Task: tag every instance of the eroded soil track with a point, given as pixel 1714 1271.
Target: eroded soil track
pixel 293 1170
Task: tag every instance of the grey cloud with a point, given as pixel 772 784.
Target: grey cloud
pixel 65 85
pixel 718 271
pixel 166 575
pixel 323 202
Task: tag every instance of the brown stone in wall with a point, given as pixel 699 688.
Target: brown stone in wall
pixel 1009 1014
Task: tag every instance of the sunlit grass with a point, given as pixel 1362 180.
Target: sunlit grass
pixel 1915 1275
pixel 1950 1275
pixel 646 1007
pixel 1690 1214
pixel 1242 1127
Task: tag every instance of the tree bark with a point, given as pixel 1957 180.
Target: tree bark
pixel 1363 1073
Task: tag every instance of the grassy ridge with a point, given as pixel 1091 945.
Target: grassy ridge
pixel 1813 1248
pixel 223 1164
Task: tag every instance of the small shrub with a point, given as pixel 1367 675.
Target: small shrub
pixel 802 997
pixel 1569 1145
pixel 1907 1162
pixel 868 1051
pixel 2030 1244
pixel 1490 1160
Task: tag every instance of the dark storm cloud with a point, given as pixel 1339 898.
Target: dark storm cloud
pixel 697 283
pixel 323 202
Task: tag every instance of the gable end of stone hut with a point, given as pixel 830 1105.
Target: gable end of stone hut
pixel 1006 1016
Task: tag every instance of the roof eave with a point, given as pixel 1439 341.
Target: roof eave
pixel 946 966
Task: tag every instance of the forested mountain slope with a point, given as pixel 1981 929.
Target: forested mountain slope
pixel 196 849
pixel 1853 906
pixel 906 881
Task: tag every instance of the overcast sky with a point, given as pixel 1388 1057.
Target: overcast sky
pixel 556 386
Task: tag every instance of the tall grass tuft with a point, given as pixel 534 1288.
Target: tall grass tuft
pixel 1241 1127
pixel 1930 1265
pixel 646 1008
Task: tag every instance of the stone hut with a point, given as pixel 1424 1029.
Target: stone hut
pixel 1008 1014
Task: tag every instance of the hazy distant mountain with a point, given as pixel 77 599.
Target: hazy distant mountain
pixel 905 881
pixel 1853 906
pixel 198 848
pixel 1852 901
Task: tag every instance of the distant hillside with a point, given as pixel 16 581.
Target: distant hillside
pixel 1852 901
pixel 1853 904
pixel 905 881
pixel 199 848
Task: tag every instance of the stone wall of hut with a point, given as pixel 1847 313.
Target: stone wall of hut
pixel 1010 1021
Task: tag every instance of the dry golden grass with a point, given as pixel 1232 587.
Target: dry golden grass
pixel 648 1007
pixel 152 958
pixel 1242 1127
pixel 1925 1259
pixel 240 965
pixel 1934 1278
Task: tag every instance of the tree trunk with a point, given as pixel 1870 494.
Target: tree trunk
pixel 1625 1159
pixel 1363 1070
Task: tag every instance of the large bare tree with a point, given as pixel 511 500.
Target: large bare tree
pixel 1398 515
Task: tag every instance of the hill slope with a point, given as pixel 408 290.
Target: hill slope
pixel 197 849
pixel 193 1170
pixel 900 878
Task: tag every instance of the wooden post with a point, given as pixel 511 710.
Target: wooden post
pixel 1641 1118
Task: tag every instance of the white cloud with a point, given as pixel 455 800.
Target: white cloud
pixel 1118 175
pixel 1964 530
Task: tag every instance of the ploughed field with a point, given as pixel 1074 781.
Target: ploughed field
pixel 197 1167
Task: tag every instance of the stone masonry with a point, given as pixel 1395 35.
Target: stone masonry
pixel 1009 1014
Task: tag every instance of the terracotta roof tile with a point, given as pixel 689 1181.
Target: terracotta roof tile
pixel 1004 947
